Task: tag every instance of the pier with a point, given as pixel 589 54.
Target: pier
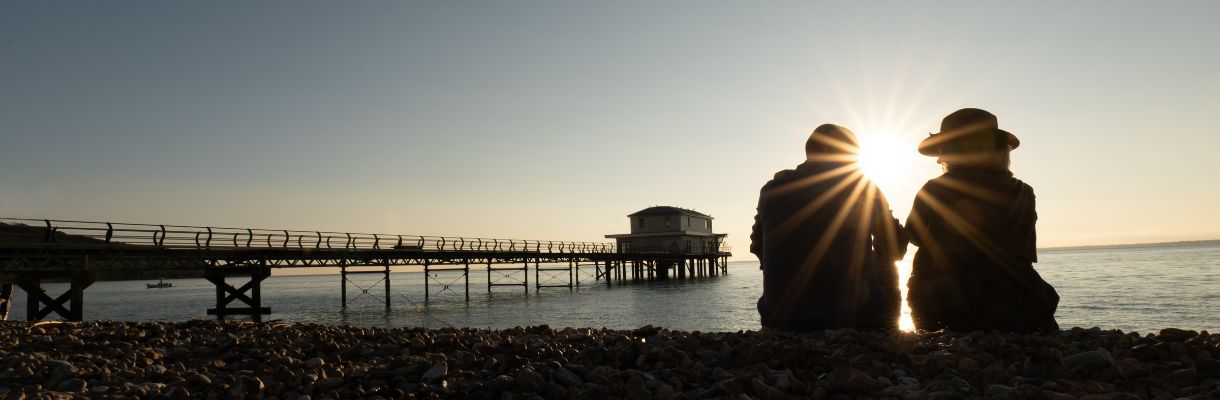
pixel 238 260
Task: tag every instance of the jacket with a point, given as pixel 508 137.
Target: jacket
pixel 826 241
pixel 977 245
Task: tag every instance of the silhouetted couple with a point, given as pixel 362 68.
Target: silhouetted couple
pixel 827 240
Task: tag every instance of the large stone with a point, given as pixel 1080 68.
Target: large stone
pixel 438 371
pixel 60 371
pixel 566 377
pixel 1096 359
pixel 850 380
pixel 764 391
pixel 330 383
pixel 996 390
pixel 1176 335
pixel 74 385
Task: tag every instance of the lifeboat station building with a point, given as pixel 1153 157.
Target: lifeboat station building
pixel 672 230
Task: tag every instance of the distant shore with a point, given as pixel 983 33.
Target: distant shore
pixel 1210 242
pixel 207 359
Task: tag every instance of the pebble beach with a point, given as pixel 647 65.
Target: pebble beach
pixel 216 360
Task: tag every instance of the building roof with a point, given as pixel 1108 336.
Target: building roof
pixel 667 210
pixel 662 234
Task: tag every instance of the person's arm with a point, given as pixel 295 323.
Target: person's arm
pixel 888 235
pixel 1031 249
pixel 917 221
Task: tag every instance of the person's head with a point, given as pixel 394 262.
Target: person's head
pixel 970 137
pixel 831 142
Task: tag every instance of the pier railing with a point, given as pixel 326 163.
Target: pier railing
pixel 92 234
pixel 36 250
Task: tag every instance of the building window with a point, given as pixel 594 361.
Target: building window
pixel 667 222
pixel 641 222
pixel 707 223
pixel 687 221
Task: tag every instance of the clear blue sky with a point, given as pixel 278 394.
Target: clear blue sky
pixel 553 120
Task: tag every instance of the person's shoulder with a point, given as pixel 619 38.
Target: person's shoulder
pixel 1025 187
pixel 779 178
pixel 936 182
pixel 783 174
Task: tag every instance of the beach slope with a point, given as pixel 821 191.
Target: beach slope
pixel 206 359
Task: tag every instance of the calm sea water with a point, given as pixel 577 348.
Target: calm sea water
pixel 1134 289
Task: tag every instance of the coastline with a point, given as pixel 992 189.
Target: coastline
pixel 209 359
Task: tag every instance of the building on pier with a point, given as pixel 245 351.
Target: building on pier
pixel 674 230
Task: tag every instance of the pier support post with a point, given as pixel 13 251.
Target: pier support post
pixel 39 305
pixel 6 300
pixel 427 277
pixel 466 275
pixel 385 282
pixel 226 293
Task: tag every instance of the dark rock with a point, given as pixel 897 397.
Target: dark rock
pixel 530 380
pixel 1099 358
pixel 330 383
pixel 60 371
pixel 764 391
pixel 645 331
pixel 595 391
pixel 227 340
pixel 74 385
pixel 1176 335
pixel 636 389
pixel 996 390
pixel 1049 395
pixel 438 371
pixel 850 380
pixel 556 391
pixel 565 377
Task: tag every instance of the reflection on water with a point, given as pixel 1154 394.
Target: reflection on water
pixel 1142 289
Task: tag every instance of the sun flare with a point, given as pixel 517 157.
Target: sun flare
pixel 890 161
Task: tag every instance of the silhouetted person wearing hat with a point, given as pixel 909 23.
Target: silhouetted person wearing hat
pixel 827 243
pixel 974 226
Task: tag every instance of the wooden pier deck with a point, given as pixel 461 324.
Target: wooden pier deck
pixel 33 251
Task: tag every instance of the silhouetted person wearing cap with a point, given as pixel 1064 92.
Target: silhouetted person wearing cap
pixel 974 226
pixel 827 242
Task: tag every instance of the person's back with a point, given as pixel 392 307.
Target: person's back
pixel 974 226
pixel 814 237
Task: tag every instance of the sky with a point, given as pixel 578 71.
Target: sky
pixel 554 120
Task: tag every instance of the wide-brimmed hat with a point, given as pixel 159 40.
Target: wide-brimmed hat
pixel 967 125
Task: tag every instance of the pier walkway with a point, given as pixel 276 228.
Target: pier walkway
pixel 33 251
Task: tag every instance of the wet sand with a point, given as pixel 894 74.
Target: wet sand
pixel 213 360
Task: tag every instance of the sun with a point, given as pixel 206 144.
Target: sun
pixel 885 160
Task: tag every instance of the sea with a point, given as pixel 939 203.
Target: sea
pixel 1130 288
